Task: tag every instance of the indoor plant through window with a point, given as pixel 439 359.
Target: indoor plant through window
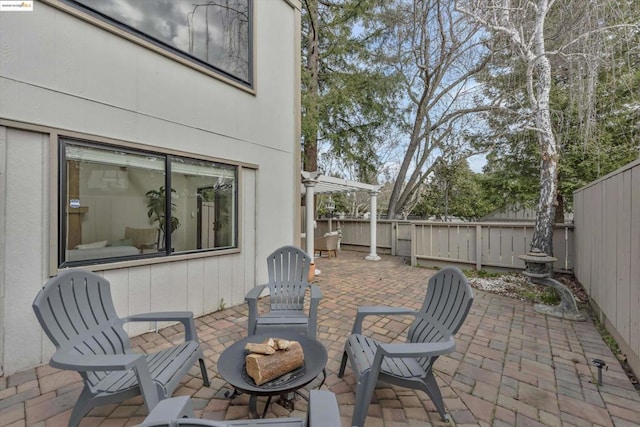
pixel 156 203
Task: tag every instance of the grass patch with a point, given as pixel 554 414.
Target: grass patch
pixel 482 274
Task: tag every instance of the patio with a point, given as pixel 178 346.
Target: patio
pixel 512 365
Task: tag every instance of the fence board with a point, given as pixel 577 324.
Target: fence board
pixel 383 234
pixel 634 264
pixel 607 217
pixel 609 233
pixel 596 227
pixel 623 247
pixel 500 243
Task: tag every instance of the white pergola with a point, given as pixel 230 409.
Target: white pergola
pixel 314 183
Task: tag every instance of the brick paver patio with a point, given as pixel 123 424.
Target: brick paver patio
pixel 512 367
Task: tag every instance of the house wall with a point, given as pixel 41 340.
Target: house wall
pixel 61 75
pixel 607 220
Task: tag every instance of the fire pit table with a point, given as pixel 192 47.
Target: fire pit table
pixel 231 367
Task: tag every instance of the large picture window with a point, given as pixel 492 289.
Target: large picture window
pixel 215 33
pixel 118 203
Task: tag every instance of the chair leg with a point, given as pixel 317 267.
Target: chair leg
pixel 343 364
pixel 82 407
pixel 364 394
pixel 203 370
pixel 433 391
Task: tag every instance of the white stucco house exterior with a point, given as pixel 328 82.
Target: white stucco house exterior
pixel 106 104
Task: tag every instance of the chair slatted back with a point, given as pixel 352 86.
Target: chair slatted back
pixel 446 305
pixel 288 269
pixel 76 311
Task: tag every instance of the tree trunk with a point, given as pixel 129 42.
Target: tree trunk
pixel 395 204
pixel 310 160
pixel 559 218
pixel 543 230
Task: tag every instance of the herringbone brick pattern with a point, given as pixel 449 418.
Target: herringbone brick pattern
pixel 512 367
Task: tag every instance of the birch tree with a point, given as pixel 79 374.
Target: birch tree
pixel 524 24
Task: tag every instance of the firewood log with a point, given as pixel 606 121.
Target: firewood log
pixel 270 342
pixel 260 348
pixel 282 344
pixel 263 368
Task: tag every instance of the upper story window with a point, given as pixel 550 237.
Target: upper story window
pixel 114 204
pixel 214 33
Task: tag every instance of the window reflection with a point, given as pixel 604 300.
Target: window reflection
pixel 105 207
pixel 216 31
pixel 205 204
pixel 115 204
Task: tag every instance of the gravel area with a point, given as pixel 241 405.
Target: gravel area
pixel 518 286
pixel 511 285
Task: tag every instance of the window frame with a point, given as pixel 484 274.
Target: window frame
pixel 140 38
pixel 160 256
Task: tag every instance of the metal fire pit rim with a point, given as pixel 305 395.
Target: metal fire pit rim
pixel 231 364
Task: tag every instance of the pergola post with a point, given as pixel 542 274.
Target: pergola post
pixel 309 185
pixel 373 209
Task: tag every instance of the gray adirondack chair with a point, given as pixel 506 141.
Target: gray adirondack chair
pixel 288 269
pixel 443 311
pixel 177 411
pixel 76 311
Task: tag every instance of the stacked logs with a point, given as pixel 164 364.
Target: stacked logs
pixel 272 358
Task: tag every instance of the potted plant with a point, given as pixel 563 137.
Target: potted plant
pixel 156 204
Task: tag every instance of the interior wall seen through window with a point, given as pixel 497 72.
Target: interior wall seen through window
pixel 205 204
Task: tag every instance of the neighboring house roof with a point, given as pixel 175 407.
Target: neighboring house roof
pixel 511 212
pixel 517 213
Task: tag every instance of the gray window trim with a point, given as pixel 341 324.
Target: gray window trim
pixel 63 140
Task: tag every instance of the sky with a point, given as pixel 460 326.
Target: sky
pixel 477 162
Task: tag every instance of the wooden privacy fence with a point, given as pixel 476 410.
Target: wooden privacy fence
pixel 479 245
pixel 607 220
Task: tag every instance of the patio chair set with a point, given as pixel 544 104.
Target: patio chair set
pixel 76 311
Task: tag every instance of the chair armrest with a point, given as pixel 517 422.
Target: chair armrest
pixel 377 311
pixel 428 349
pixel 254 293
pixel 80 362
pixel 184 317
pixel 316 292
pixel 323 409
pixel 168 410
pixel 114 362
pixel 316 295
pixel 252 301
pixel 160 316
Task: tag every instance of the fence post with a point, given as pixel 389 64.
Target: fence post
pixel 478 247
pixel 566 247
pixel 414 259
pixel 394 238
